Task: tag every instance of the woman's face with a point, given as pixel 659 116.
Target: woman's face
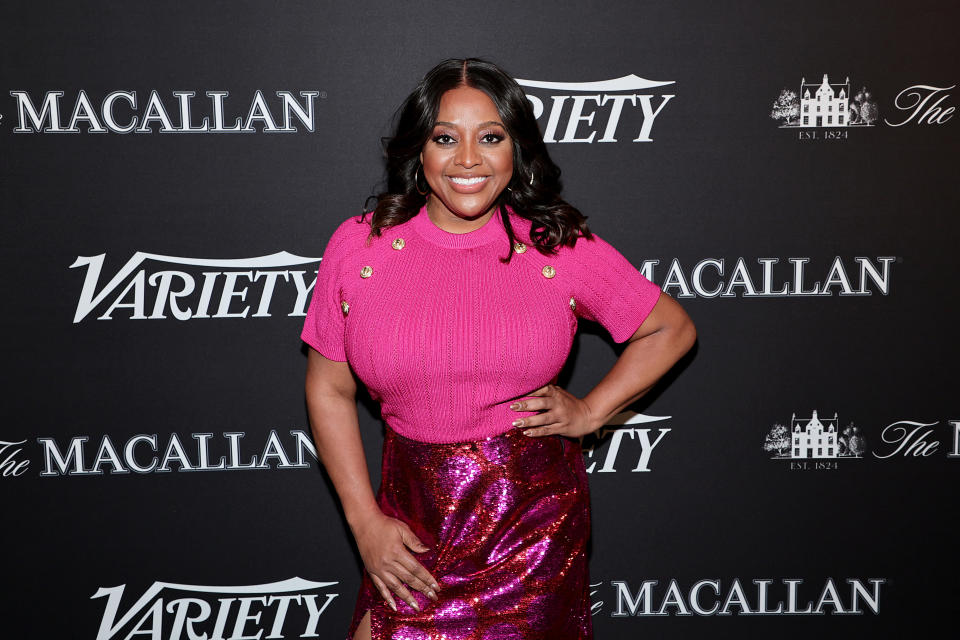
pixel 468 159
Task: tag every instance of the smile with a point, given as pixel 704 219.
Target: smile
pixel 468 181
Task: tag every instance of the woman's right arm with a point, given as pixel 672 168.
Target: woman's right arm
pixel 331 393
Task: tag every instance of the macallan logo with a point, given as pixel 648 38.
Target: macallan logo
pixel 772 277
pixel 144 453
pixel 120 112
pixel 10 465
pixel 602 111
pixel 829 110
pixel 818 442
pixel 814 442
pixel 169 611
pixel 908 439
pixel 757 597
pixel 146 288
pixel 955 432
pixel 923 104
pixel 830 106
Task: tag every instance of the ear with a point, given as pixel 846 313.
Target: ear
pixel 421 157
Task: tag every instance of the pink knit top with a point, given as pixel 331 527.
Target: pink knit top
pixel 445 336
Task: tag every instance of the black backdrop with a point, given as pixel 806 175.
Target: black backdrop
pixel 706 521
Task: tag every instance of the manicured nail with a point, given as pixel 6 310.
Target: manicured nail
pixel 413 603
pixel 432 595
pixel 527 433
pixel 435 586
pixel 517 423
pixel 392 606
pixel 515 405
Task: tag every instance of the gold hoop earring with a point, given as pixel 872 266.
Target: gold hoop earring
pixel 416 183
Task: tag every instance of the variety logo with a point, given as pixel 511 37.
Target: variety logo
pixel 828 110
pixel 286 609
pixel 758 597
pixel 118 112
pixel 610 109
pixel 150 289
pixel 626 443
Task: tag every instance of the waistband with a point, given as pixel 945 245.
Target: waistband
pixel 515 433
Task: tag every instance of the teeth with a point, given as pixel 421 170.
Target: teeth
pixel 466 181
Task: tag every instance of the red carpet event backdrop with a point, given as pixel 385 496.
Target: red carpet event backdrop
pixel 788 173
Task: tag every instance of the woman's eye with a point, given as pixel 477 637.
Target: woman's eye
pixel 443 139
pixel 492 138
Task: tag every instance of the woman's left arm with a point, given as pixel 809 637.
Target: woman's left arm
pixel 665 336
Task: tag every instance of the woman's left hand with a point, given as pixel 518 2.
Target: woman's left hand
pixel 562 413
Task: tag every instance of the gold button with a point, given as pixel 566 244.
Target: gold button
pixel 366 272
pixel 398 244
pixel 519 247
pixel 345 307
pixel 548 271
pixel 573 303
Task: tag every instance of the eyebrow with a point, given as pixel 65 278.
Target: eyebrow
pixel 482 124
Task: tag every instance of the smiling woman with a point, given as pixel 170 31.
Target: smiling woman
pixel 479 528
pixel 467 162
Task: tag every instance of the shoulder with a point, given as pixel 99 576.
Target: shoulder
pixel 353 230
pixel 594 258
pixel 593 248
pixel 589 252
pixel 349 237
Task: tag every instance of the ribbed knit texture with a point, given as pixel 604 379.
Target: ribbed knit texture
pixel 445 336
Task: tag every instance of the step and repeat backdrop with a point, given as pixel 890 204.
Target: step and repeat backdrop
pixel 788 173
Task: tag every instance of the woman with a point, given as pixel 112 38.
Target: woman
pixel 456 305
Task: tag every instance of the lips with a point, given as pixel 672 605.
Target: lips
pixel 467 184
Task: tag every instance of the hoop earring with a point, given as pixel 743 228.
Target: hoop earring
pixel 416 183
pixel 531 178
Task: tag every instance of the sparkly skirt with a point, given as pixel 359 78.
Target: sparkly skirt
pixel 507 520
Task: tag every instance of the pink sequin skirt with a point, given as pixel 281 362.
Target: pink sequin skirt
pixel 507 521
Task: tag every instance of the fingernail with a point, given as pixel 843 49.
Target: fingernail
pixel 515 405
pixel 527 433
pixel 392 606
pixel 517 423
pixel 435 586
pixel 414 604
pixel 432 595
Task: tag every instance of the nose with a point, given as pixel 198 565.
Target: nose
pixel 468 154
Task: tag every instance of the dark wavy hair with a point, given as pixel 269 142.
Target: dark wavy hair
pixel 534 189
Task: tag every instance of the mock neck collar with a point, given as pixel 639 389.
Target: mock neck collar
pixel 490 231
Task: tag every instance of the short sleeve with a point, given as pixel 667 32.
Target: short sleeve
pixel 323 328
pixel 609 290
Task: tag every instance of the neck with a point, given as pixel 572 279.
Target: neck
pixel 451 222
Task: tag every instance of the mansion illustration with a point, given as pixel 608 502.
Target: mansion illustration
pixel 814 439
pixel 824 105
